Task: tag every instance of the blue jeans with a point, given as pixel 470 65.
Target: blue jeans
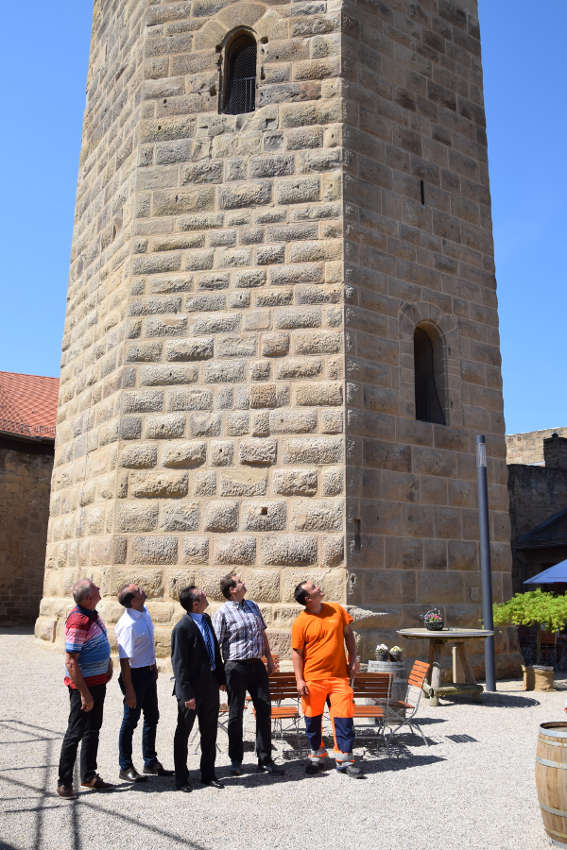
pixel 144 682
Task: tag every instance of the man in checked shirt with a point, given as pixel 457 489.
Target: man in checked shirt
pixel 241 633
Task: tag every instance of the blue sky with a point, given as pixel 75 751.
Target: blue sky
pixel 43 65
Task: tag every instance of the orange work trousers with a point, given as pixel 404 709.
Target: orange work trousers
pixel 340 696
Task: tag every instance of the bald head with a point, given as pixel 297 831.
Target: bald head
pixel 86 593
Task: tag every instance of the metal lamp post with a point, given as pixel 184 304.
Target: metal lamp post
pixel 485 566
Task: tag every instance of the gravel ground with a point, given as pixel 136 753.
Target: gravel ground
pixel 472 787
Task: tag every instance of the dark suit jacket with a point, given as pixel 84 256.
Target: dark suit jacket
pixel 190 659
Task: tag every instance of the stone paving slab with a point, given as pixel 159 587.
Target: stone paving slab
pixel 473 787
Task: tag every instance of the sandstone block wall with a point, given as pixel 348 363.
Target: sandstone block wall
pixel 418 249
pixel 25 475
pixel 237 382
pixel 216 436
pixel 527 448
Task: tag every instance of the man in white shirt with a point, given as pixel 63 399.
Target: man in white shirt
pixel 138 675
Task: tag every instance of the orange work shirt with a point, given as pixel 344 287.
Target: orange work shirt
pixel 321 639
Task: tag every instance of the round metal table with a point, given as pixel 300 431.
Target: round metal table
pixel 464 681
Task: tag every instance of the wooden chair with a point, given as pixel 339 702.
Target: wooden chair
pixel 402 712
pixel 376 687
pixel 276 661
pixel 283 689
pixel 195 738
pixel 223 708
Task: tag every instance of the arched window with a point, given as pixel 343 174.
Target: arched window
pixel 429 373
pixel 240 75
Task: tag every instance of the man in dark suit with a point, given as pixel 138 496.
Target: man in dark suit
pixel 198 670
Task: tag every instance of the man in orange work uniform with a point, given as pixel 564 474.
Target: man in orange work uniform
pixel 318 638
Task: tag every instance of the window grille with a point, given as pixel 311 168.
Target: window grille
pixel 240 92
pixel 429 376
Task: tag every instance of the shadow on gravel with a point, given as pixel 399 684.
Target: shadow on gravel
pixel 34 798
pixel 399 757
pixel 495 700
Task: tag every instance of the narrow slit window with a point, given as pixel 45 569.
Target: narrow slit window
pixel 429 376
pixel 240 91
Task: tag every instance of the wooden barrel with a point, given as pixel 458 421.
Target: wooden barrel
pixel 551 780
pixel 398 668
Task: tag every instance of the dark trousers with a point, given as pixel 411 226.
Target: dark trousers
pixel 145 687
pixel 82 726
pixel 207 712
pixel 251 676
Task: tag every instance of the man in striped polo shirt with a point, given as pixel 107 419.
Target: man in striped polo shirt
pixel 241 633
pixel 88 669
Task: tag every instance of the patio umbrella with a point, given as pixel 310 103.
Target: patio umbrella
pixel 553 575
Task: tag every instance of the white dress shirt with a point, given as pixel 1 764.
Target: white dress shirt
pixel 135 635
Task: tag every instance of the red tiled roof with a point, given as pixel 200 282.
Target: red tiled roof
pixel 28 404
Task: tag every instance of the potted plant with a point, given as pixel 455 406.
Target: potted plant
pixel 433 620
pixel 543 610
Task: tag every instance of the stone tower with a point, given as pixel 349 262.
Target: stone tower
pixel 282 331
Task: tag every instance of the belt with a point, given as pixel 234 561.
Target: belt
pixel 149 667
pixel 243 660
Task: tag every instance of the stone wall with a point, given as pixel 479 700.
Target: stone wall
pixel 25 476
pixel 538 493
pixel 227 269
pixel 81 536
pixel 216 435
pixel 528 447
pixel 555 452
pixel 418 249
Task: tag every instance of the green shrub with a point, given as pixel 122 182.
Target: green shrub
pixel 533 608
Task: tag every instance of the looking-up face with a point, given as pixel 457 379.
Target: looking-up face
pixel 238 592
pixel 200 601
pixel 314 591
pixel 139 597
pixel 93 596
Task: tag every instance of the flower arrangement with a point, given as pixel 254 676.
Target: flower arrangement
pixel 433 620
pixel 385 654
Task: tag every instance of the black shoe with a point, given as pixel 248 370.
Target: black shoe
pixel 97 783
pixel 312 769
pixel 270 767
pixel 212 783
pixel 66 791
pixel 236 769
pixel 130 774
pixel 187 787
pixel 156 768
